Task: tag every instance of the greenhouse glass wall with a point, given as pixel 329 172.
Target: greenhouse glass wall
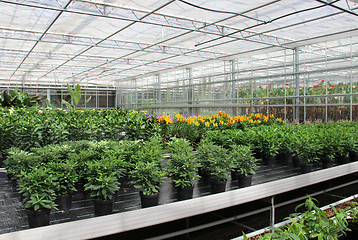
pixel 294 59
pixel 312 82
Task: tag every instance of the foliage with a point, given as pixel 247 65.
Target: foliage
pixel 17 98
pixel 20 161
pixel 313 223
pixel 242 159
pixel 64 176
pixel 75 96
pixel 214 160
pixel 182 164
pixel 101 180
pixel 150 151
pixel 147 176
pixel 264 140
pixel 38 188
pixel 306 147
pixel 146 173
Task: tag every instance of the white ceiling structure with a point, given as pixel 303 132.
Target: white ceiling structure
pixel 106 42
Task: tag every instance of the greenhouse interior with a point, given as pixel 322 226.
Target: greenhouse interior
pixel 178 119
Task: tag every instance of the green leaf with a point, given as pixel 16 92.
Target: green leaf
pixel 50 105
pixel 67 104
pixel 87 101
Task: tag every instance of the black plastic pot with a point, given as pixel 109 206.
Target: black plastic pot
pixel 38 218
pixel 81 193
pixel 327 163
pixel 234 174
pixel 14 185
pixel 185 193
pixel 2 159
pixel 343 159
pixel 295 162
pixel 269 160
pixel 149 200
pixel 218 186
pixel 205 176
pixel 103 207
pixel 284 158
pixel 353 156
pixel 306 167
pixel 125 182
pixel 9 176
pixel 64 203
pixel 244 181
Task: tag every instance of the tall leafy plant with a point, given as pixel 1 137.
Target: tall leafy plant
pixel 75 96
pixel 17 98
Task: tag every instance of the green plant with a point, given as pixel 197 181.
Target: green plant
pixel 38 188
pixel 312 224
pixel 265 140
pixel 149 151
pixel 17 98
pixel 64 176
pixel 306 148
pixel 214 160
pixel 101 180
pixel 20 161
pixel 242 159
pixel 182 164
pixel 147 176
pixel 75 96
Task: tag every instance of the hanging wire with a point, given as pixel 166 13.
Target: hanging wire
pixel 220 11
pixel 266 22
pixel 339 8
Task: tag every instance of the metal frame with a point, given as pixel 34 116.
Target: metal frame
pixel 104 74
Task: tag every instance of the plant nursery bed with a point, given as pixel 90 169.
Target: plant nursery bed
pixel 13 216
pixel 342 204
pixel 127 207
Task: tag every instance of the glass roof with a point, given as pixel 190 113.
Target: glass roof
pixel 107 42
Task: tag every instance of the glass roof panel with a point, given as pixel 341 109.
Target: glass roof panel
pixel 113 40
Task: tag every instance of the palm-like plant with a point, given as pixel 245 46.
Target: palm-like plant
pixel 75 96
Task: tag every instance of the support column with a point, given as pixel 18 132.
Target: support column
pixel 233 87
pixel 190 90
pixel 158 91
pixel 272 213
pixel 135 94
pixel 117 102
pixel 296 108
pixel 48 96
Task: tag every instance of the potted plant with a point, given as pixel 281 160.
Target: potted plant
pixel 82 157
pixel 345 144
pixel 64 177
pixel 328 146
pixel 102 183
pixel 243 164
pixel 18 161
pixel 268 144
pixel 38 189
pixel 147 173
pixel 127 149
pixel 182 167
pixel 214 161
pixel 307 151
pixel 147 176
pixel 284 140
